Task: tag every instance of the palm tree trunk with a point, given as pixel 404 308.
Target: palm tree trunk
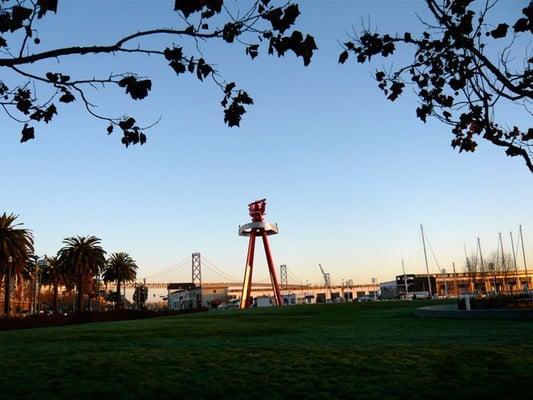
pixel 55 297
pixel 119 296
pixel 80 294
pixel 7 294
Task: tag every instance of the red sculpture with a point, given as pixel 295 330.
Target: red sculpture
pixel 258 227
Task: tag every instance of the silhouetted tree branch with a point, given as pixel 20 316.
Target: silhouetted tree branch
pixel 456 78
pixel 35 97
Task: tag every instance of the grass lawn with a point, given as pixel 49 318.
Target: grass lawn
pixel 371 350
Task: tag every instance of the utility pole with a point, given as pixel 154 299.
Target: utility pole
pixel 515 265
pixel 524 256
pixel 405 281
pixel 374 280
pixel 426 259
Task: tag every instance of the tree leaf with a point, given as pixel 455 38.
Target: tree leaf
pixel 28 133
pixel 343 57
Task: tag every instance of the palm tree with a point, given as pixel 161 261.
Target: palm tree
pixel 82 258
pixel 24 278
pixel 52 275
pixel 16 245
pixel 120 268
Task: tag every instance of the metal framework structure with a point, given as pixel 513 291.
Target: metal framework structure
pixel 197 275
pixel 283 277
pixel 196 269
pixel 326 276
pixel 258 227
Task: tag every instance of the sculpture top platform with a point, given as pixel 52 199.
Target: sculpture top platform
pixel 258 224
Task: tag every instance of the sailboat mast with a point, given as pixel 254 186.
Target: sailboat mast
pixel 524 256
pixel 455 279
pixel 426 259
pixel 405 280
pixel 480 255
pixel 515 264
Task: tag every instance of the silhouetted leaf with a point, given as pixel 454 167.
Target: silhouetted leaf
pixel 252 50
pixel 396 89
pixel 22 98
pixel 178 67
pixel 203 69
pixel 343 57
pixel 52 77
pixel 521 25
pixel 27 133
pixel 380 75
pixel 67 97
pixel 500 31
pixel 423 111
pixel 127 123
pixel 21 13
pixel 173 54
pixel 45 6
pixel 229 87
pixel 49 113
pixel 282 19
pixel 187 7
pixel 230 31
pixel 243 98
pixel 137 89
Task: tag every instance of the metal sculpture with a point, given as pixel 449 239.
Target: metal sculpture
pixel 258 227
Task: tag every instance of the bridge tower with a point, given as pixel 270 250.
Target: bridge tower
pixel 283 277
pixel 258 227
pixel 196 269
pixel 197 276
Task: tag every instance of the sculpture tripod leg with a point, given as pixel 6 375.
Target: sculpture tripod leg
pixel 272 270
pixel 247 283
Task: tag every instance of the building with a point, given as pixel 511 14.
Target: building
pixel 415 286
pixel 455 284
pixel 388 290
pixel 185 296
pixel 483 282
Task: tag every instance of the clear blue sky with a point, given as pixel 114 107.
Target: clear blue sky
pixel 348 175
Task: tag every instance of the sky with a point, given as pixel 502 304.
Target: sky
pixel 348 175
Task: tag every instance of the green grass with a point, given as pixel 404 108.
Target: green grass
pixel 373 350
